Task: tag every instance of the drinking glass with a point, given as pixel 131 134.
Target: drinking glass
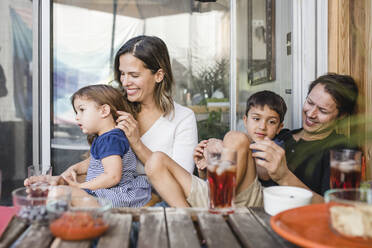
pixel 40 187
pixel 345 168
pixel 39 170
pixel 221 174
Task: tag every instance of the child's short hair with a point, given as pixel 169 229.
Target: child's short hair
pixel 269 98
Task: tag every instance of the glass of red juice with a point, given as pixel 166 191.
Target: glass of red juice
pixel 345 168
pixel 221 174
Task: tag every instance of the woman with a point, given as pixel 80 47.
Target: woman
pixel 143 67
pixel 305 160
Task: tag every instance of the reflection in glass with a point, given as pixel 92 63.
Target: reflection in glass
pixel 15 93
pixel 262 59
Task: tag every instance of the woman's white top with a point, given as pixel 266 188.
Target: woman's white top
pixel 176 135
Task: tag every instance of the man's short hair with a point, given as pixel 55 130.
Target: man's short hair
pixel 343 90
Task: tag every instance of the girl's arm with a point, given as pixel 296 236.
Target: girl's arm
pixel 73 172
pixel 77 170
pixel 111 176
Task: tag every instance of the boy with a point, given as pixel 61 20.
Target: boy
pixel 264 118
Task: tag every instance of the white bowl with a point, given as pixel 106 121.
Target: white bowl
pixel 280 198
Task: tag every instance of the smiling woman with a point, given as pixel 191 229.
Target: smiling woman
pixel 142 65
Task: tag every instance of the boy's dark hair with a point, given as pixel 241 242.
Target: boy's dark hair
pixel 343 90
pixel 269 98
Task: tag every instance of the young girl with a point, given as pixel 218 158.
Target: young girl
pixel 111 168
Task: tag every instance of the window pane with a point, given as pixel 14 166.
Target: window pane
pixel 87 35
pixel 264 62
pixel 15 93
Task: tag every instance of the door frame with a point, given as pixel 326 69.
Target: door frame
pixel 310 49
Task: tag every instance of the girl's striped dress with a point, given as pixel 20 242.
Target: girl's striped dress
pixel 133 190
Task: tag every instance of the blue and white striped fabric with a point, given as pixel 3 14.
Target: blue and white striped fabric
pixel 133 190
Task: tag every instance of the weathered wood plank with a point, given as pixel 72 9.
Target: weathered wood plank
pixel 38 236
pixel 153 231
pixel 14 229
pixel 263 218
pixel 215 231
pixel 250 232
pixel 181 231
pixel 58 243
pixel 118 233
pixel 137 212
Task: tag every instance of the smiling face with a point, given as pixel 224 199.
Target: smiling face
pixel 261 122
pixel 88 115
pixel 138 81
pixel 319 111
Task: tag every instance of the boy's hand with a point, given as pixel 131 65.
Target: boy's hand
pixel 199 158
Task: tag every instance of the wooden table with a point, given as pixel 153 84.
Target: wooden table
pixel 162 227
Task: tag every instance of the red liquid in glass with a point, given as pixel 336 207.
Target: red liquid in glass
pixel 38 190
pixel 344 179
pixel 221 186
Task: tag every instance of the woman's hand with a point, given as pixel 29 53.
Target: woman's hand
pixel 198 155
pixel 129 125
pixel 273 158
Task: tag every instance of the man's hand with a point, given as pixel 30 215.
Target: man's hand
pixel 273 158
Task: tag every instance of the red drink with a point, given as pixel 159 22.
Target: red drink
pixel 222 182
pixel 342 178
pixel 38 190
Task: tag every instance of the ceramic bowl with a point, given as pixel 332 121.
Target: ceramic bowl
pixel 350 212
pixel 280 198
pixel 84 219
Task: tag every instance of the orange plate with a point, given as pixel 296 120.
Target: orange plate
pixel 309 226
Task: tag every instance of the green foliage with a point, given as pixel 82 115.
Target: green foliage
pixel 209 79
pixel 217 100
pixel 212 126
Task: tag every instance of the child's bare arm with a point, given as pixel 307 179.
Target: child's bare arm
pixel 76 170
pixel 199 158
pixel 262 173
pixel 110 177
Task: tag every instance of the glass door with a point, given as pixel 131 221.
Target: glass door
pixel 86 36
pixel 16 93
pixel 264 57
